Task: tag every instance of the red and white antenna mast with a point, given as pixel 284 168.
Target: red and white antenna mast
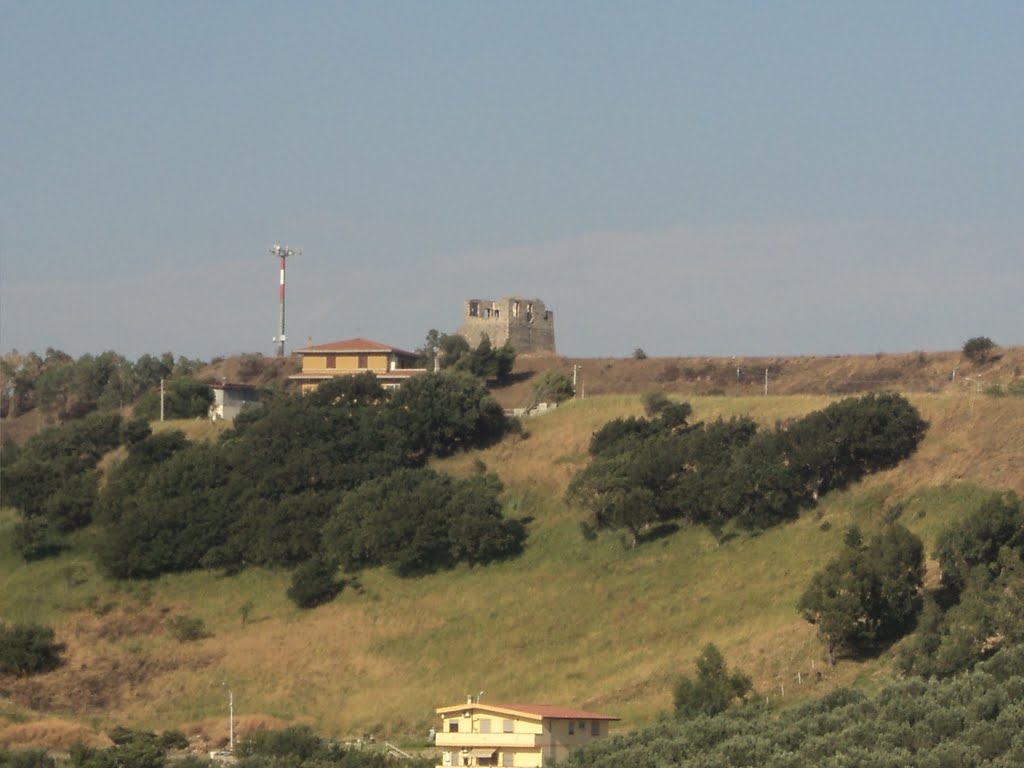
pixel 282 252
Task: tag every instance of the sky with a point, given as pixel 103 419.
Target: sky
pixel 689 178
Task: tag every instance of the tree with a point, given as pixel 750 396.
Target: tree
pixel 713 689
pixel 440 413
pixel 869 595
pixel 979 349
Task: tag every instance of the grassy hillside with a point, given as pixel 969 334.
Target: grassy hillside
pixel 589 624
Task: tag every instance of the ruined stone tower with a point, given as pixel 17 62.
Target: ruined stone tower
pixel 523 322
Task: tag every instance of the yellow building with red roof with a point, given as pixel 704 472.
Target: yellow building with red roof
pixel 514 735
pixel 323 362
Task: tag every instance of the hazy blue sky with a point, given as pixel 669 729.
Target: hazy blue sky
pixel 691 178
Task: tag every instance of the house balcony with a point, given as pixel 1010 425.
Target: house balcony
pixel 496 740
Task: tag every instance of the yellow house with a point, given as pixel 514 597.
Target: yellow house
pixel 323 362
pixel 520 735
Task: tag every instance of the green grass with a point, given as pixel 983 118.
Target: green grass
pixel 593 624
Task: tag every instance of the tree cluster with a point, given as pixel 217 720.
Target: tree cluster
pixel 661 469
pixel 136 749
pixel 299 747
pixel 57 383
pixel 452 351
pixel 976 610
pixel 332 477
pixel 53 481
pixel 972 720
pixel 868 596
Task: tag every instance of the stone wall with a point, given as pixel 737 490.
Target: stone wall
pixel 526 323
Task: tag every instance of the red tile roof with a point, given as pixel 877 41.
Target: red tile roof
pixel 354 345
pixel 548 711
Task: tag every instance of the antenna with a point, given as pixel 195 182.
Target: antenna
pixel 282 252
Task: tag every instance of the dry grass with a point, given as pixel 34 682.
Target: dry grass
pixel 51 734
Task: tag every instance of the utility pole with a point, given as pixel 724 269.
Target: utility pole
pixel 161 399
pixel 231 718
pixel 282 252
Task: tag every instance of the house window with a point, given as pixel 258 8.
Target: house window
pixel 506 758
pixel 595 727
pixel 363 361
pixel 507 726
pixel 572 727
pixel 332 361
pixel 453 726
pixel 485 726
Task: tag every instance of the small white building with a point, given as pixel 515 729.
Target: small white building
pixel 230 399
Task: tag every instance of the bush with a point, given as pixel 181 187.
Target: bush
pixel 27 758
pixel 713 689
pixel 28 649
pixel 187 629
pixel 314 583
pixel 979 349
pixel 553 387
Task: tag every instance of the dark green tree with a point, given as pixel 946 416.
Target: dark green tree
pixel 441 413
pixel 868 596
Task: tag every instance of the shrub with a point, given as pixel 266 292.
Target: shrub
pixel 187 629
pixel 28 649
pixel 553 387
pixel 314 583
pixel 713 689
pixel 979 349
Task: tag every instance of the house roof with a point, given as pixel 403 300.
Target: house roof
pixel 326 375
pixel 542 711
pixel 353 345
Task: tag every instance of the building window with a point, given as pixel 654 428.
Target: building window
pixel 453 726
pixel 572 727
pixel 332 361
pixel 507 726
pixel 506 758
pixel 485 726
pixel 595 727
pixel 364 361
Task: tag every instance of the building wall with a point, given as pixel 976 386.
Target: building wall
pixel 345 362
pixel 526 323
pixel 540 741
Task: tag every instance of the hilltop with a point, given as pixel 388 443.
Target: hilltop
pixel 594 624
